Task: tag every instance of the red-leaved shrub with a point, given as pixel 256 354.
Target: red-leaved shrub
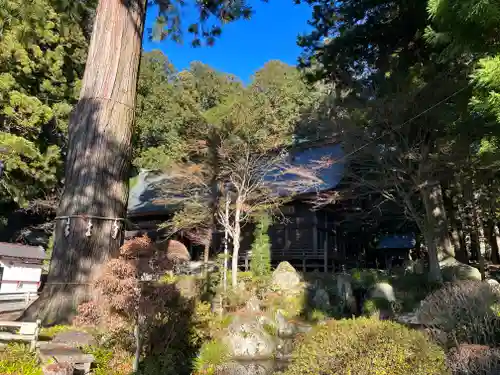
pixel 120 296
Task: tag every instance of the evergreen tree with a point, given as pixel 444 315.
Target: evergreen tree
pixel 42 57
pixel 260 264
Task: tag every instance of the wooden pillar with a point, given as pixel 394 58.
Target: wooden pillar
pixel 315 233
pixel 286 245
pixel 325 253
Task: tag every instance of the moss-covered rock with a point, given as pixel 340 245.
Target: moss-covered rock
pixel 285 278
pixel 453 270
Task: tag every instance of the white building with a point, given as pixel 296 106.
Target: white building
pixel 20 267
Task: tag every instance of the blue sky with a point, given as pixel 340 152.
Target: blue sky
pixel 244 46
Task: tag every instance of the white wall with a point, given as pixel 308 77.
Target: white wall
pixel 28 274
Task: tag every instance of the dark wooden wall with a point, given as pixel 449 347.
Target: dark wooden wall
pixel 309 240
pixel 305 238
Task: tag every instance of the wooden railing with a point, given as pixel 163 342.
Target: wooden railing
pixel 10 302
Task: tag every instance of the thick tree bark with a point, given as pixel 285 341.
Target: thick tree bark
pixel 98 160
pixel 436 228
pixel 434 269
pixel 495 243
pixel 491 226
pixel 436 217
pixel 479 229
pixel 453 208
pixel 473 237
pixel 214 143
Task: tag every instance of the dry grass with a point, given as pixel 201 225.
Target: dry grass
pixel 466 312
pixel 470 359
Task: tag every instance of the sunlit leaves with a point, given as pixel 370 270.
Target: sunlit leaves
pixel 42 57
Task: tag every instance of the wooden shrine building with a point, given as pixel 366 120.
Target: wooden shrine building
pixel 310 239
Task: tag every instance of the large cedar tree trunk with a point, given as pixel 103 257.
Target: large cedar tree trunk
pixel 436 216
pixel 436 228
pixel 98 160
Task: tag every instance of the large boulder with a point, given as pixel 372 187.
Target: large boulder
pixel 493 283
pixel 345 292
pixel 344 287
pixel 247 337
pixel 453 270
pixel 253 305
pixel 286 278
pixel 383 291
pixel 321 299
pixel 246 368
pixel 74 338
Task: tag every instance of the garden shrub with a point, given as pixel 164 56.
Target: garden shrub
pixel 366 278
pixel 366 346
pixel 465 311
pixel 370 308
pixel 316 315
pixel 212 354
pixel 173 327
pixel 290 305
pixel 470 359
pixel 260 264
pixel 411 288
pixel 237 298
pixel 173 344
pixel 110 361
pixel 16 359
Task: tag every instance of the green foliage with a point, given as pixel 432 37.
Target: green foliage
pixel 102 360
pixel 411 289
pixel 366 278
pixel 355 345
pixel 179 336
pixel 316 315
pixel 50 332
pixel 212 354
pixel 110 361
pixel 16 359
pixel 261 248
pixel 42 58
pixel 290 305
pixel 48 254
pixel 160 115
pixel 370 308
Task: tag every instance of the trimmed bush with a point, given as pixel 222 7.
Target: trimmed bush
pixel 366 346
pixel 465 311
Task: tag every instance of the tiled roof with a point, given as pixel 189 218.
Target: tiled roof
pixel 403 241
pixel 146 195
pixel 21 251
